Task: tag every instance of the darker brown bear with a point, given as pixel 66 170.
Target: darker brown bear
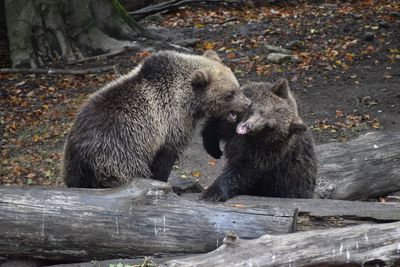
pixel 137 125
pixel 271 153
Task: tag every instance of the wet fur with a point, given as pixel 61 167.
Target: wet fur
pixel 137 125
pixel 273 164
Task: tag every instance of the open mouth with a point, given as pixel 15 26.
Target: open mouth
pixel 243 128
pixel 232 116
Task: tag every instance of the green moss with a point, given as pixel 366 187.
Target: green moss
pixel 128 19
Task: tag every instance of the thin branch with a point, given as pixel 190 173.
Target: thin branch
pixel 171 5
pixel 96 58
pixel 57 71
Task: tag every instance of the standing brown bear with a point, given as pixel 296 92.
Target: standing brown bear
pixel 137 125
pixel 271 153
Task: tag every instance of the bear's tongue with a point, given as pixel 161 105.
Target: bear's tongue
pixel 232 116
pixel 242 128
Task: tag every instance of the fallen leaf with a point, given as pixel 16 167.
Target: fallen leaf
pixel 339 113
pixel 230 55
pixel 212 162
pixel 143 54
pixel 35 138
pixel 375 124
pixel 196 173
pixel 198 25
pixel 208 45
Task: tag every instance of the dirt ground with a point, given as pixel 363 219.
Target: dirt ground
pixel 347 78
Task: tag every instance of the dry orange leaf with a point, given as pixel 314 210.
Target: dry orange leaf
pixel 339 113
pixel 196 173
pixel 348 57
pixel 208 45
pixel 375 124
pixel 212 162
pixel 35 138
pixel 230 55
pixel 143 54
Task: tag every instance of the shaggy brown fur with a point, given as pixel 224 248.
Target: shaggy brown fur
pixel 271 153
pixel 137 125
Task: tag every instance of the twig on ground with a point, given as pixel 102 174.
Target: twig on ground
pixel 57 71
pixel 97 58
pixel 171 5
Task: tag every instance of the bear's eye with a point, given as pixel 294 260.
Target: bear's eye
pixel 230 95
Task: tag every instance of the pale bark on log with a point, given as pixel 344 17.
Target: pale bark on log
pixel 362 245
pixel 144 218
pixel 316 214
pixel 366 167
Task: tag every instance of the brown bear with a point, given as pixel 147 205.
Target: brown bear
pixel 137 125
pixel 271 153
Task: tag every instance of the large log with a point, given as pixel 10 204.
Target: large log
pixel 362 245
pixel 144 218
pixel 366 167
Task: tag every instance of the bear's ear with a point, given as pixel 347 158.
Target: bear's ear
pixel 297 126
pixel 281 88
pixel 211 54
pixel 200 79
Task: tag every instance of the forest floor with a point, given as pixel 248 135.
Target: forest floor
pixel 346 78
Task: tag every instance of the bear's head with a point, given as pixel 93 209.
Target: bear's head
pixel 274 111
pixel 217 91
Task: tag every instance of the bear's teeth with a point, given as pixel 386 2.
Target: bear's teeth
pixel 232 116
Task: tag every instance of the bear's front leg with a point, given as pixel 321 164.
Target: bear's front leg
pixel 211 137
pixel 162 164
pixel 224 187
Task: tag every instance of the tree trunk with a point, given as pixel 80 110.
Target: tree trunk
pixel 363 245
pixel 4 52
pixel 43 31
pixel 366 167
pixel 144 218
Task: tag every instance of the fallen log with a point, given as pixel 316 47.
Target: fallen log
pixel 363 168
pixel 316 214
pixel 366 167
pixel 145 218
pixel 362 245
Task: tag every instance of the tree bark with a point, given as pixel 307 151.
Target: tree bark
pixel 43 31
pixel 363 245
pixel 316 214
pixel 366 167
pixel 144 218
